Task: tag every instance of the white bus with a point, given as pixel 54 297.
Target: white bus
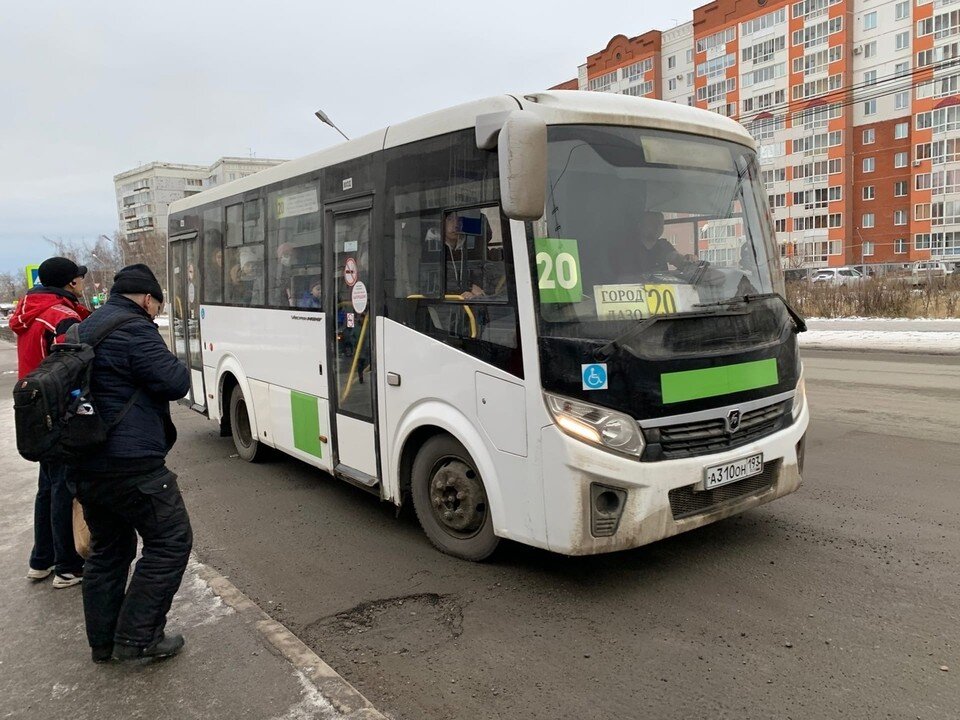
pixel 555 318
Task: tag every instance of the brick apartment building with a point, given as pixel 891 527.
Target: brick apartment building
pixel 855 105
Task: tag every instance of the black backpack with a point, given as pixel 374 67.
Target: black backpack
pixel 55 415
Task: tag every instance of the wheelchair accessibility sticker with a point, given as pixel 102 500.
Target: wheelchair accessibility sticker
pixel 594 376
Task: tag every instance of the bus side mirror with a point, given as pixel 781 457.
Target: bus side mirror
pixel 522 147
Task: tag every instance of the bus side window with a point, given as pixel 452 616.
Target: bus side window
pixel 233 237
pixel 294 247
pixel 212 280
pixel 243 254
pixel 251 265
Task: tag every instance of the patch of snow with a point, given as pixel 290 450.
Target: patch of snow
pixel 312 706
pixel 892 340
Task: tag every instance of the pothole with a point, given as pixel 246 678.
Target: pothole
pixel 397 625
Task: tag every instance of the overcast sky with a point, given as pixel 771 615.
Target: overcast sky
pixel 93 88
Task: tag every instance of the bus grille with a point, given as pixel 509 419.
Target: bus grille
pixel 684 501
pixel 711 436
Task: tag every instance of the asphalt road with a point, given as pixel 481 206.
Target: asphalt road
pixel 840 601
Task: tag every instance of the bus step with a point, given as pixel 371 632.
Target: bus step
pixel 358 478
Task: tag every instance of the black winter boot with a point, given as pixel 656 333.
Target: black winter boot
pixel 166 646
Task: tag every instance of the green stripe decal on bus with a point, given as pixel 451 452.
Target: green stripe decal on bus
pixel 711 382
pixel 306 423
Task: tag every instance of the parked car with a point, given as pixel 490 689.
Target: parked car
pixel 928 272
pixel 845 275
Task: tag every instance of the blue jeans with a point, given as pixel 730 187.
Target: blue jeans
pixel 53 524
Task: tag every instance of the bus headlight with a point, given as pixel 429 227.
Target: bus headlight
pixel 800 398
pixel 596 425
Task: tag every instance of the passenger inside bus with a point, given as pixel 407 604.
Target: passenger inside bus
pixel 464 274
pixel 312 298
pixel 282 287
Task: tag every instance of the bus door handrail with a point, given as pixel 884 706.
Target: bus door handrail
pixel 356 359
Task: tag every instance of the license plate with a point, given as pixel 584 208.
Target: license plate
pixel 731 472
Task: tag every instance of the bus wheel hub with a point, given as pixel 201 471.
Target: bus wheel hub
pixel 457 497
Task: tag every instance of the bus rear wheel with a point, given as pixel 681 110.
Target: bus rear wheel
pixel 248 447
pixel 451 501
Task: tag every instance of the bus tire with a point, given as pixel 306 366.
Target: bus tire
pixel 451 501
pixel 248 447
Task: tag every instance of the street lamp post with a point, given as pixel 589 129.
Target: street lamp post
pixel 123 249
pixel 324 118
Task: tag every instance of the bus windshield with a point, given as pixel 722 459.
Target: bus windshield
pixel 643 222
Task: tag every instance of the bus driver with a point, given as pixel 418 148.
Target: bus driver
pixel 654 253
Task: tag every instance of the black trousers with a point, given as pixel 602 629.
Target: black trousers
pixel 117 511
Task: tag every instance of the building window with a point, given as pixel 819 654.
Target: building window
pixel 900 160
pixel 900 188
pixel 868 248
pixel 869 136
pixel 902 10
pixel 900 246
pixel 903 40
pixel 867 221
pixel 672 84
pixel 870 49
pixel 869 164
pixel 870 21
pixel 901 130
pixel 869 192
pixel 901 101
pixel 671 62
pixel 921 211
pixel 870 107
pixel 899 217
pixel 870 77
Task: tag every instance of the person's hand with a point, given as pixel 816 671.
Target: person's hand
pixel 474 292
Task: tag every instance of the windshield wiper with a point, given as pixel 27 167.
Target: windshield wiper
pixel 605 352
pixel 798 321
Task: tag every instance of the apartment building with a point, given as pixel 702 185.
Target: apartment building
pixel 855 105
pixel 145 193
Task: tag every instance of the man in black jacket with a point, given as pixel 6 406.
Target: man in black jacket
pixel 125 487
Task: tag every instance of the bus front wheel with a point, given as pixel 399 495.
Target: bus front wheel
pixel 451 501
pixel 248 447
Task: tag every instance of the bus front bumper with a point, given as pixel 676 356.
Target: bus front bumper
pixel 657 499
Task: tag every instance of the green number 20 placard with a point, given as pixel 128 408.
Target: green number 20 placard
pixel 558 270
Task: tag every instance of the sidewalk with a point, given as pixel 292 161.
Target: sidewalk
pixel 237 664
pixel 936 337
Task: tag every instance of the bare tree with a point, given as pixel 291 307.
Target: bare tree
pixel 150 249
pixel 12 285
pixel 103 261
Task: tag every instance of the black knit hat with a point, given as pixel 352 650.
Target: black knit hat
pixel 136 279
pixel 58 272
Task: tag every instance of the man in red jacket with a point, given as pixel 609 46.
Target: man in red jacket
pixel 41 316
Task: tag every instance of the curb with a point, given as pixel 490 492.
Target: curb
pixel 338 692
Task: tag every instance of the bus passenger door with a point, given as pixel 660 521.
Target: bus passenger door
pixel 185 299
pixel 348 224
